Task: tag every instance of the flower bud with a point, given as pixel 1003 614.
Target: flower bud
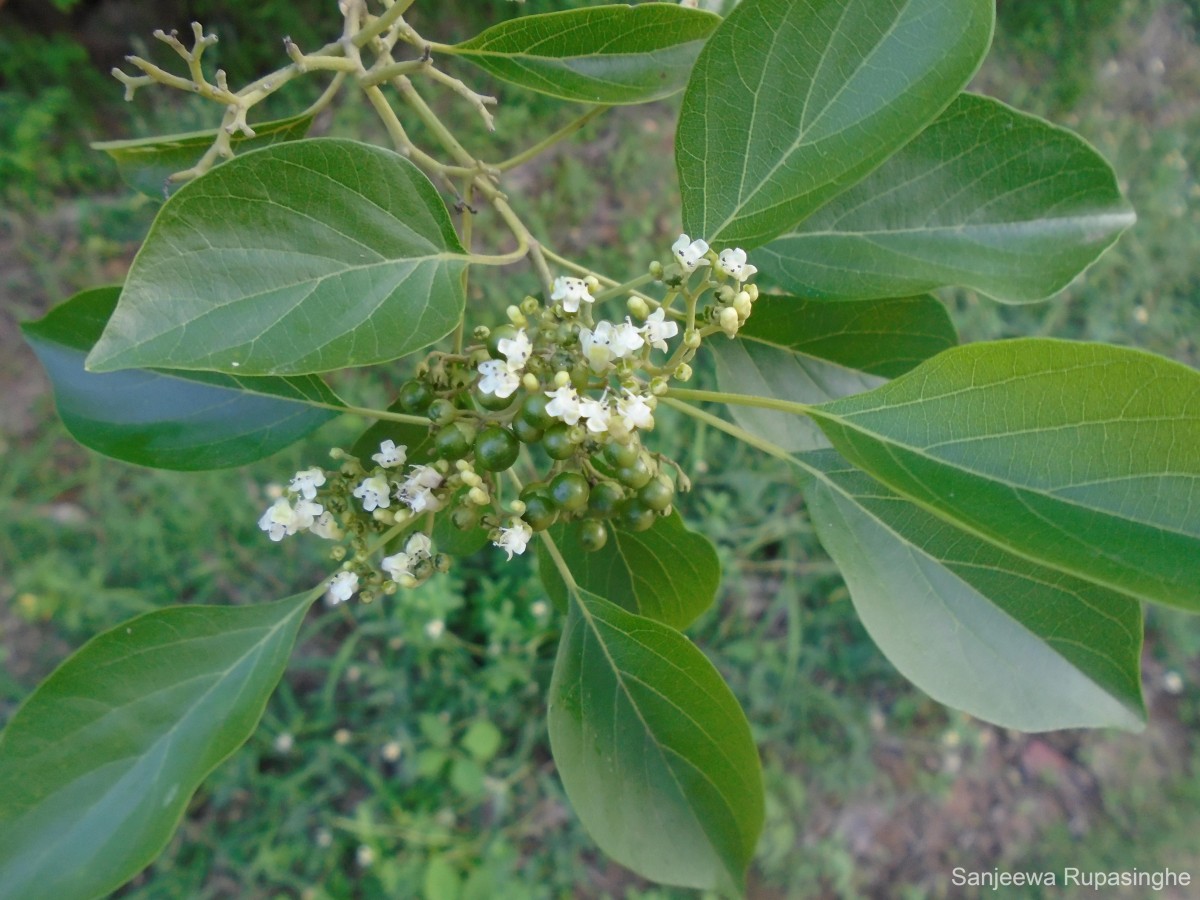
pixel 655 269
pixel 529 305
pixel 752 290
pixel 683 372
pixel 562 379
pixel 692 338
pixel 741 304
pixel 728 320
pixel 637 307
pixel 516 316
pixel 593 284
pixel 481 332
pixel 478 496
pixel 530 382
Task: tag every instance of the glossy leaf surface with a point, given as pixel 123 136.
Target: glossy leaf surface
pixel 793 101
pixel 163 418
pixel 602 54
pixel 303 257
pixel 653 750
pixel 97 767
pixel 1083 457
pixel 985 197
pixel 668 573
pixel 975 627
pixel 810 351
pixel 147 163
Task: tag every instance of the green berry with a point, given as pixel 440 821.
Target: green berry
pixel 634 516
pixel 526 433
pixel 414 397
pixel 533 410
pixel 604 499
pixel 593 535
pixel 636 475
pixel 619 455
pixel 502 333
pixel 570 491
pixel 657 494
pixel 492 401
pixel 442 412
pixel 540 512
pixel 533 489
pixel 496 448
pixel 453 441
pixel 557 441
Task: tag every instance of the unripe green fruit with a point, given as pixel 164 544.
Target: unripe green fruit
pixel 636 475
pixel 657 494
pixel 634 516
pixel 496 448
pixel 570 491
pixel 533 489
pixel 442 412
pixel 540 512
pixel 593 535
pixel 533 410
pixel 414 397
pixel 604 499
pixel 557 441
pixel 502 333
pixel 526 433
pixel 619 455
pixel 465 517
pixel 491 401
pixel 453 441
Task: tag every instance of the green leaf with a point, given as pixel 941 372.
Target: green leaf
pixel 147 163
pixel 793 101
pixel 97 767
pixel 603 54
pixel 810 351
pixel 975 627
pixel 168 419
pixel 482 740
pixel 1082 457
pixel 304 257
pixel 653 750
pixel 985 197
pixel 667 573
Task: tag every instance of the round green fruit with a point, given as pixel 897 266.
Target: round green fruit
pixel 496 448
pixel 492 401
pixel 533 410
pixel 570 491
pixel 593 535
pixel 526 433
pixel 620 455
pixel 604 500
pixel 557 441
pixel 442 411
pixel 634 516
pixel 453 441
pixel 635 475
pixel 414 397
pixel 657 494
pixel 540 512
pixel 502 333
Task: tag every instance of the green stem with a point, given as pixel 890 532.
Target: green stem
pixel 734 431
pixel 381 23
pixel 400 138
pixel 800 409
pixel 572 266
pixel 434 124
pixel 383 414
pixel 378 75
pixel 547 142
pixel 626 288
pixel 559 562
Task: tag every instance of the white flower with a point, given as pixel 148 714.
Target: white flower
pixel 327 527
pixel 627 339
pixel 305 514
pixel 305 483
pixel 279 520
pixel 400 564
pixel 728 320
pixel 733 263
pixel 571 291
pixel 515 538
pixel 417 490
pixel 389 455
pixel 658 329
pixel 564 404
pixel 635 412
pixel 690 253
pixel 342 587
pixel 435 628
pixel 516 350
pixel 597 345
pixel 374 492
pixel 498 378
pixel 596 412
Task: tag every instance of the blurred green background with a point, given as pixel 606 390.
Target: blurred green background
pixel 397 764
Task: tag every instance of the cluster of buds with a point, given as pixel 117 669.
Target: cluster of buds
pixel 575 392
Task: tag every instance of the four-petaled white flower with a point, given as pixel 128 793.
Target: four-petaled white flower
pixel 389 455
pixel 597 345
pixel 498 378
pixel 417 490
pixel 658 329
pixel 326 526
pixel 515 538
pixel 305 483
pixel 305 514
pixel 596 412
pixel 279 520
pixel 733 263
pixel 374 492
pixel 342 587
pixel 690 253
pixel 627 339
pixel 571 291
pixel 635 412
pixel 516 350
pixel 398 565
pixel 564 404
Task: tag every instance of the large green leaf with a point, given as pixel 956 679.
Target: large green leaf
pixel 1083 457
pixel 97 767
pixel 810 351
pixel 168 419
pixel 303 257
pixel 793 101
pixel 147 163
pixel 668 573
pixel 985 197
pixel 974 626
pixel 602 54
pixel 653 750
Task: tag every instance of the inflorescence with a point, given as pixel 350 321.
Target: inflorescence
pixel 576 392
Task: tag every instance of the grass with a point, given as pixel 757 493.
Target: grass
pixel 395 764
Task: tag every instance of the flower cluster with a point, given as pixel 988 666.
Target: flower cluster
pixel 575 391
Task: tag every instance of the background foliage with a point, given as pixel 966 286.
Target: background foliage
pixel 396 764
